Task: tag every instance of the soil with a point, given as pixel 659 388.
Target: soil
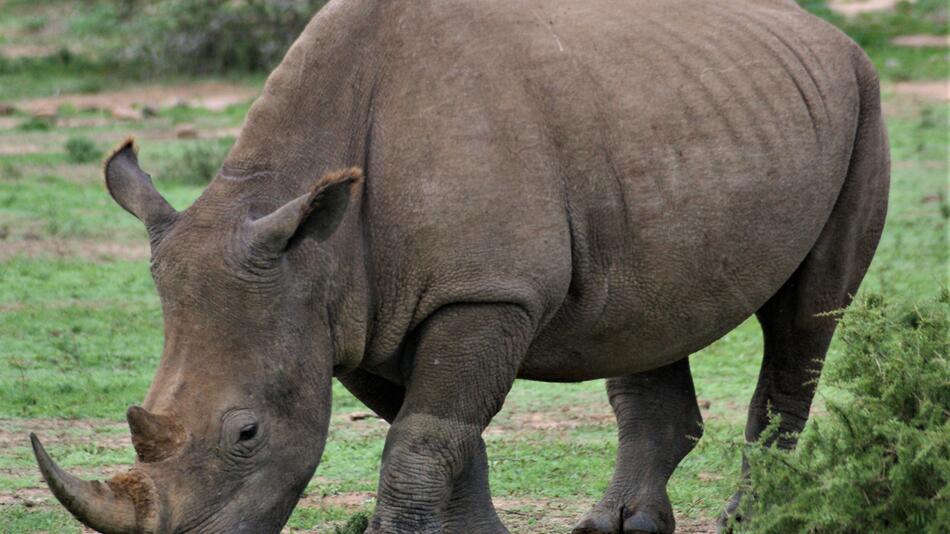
pixel 938 90
pixel 72 248
pixel 520 515
pixel 921 41
pixel 14 148
pixel 15 51
pixel 214 96
pixel 559 419
pixel 104 433
pixel 856 7
pixel 14 438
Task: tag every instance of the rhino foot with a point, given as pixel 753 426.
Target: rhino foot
pixel 621 521
pixel 480 520
pixel 730 515
pixel 599 522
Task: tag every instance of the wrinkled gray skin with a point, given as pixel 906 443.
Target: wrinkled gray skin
pixel 554 190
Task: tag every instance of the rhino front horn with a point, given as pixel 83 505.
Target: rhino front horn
pixel 123 505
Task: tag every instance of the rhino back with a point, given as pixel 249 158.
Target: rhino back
pixel 631 171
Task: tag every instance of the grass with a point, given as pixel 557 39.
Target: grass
pixel 80 327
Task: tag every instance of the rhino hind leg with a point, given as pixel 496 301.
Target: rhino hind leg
pixel 796 335
pixel 796 342
pixel 470 507
pixel 659 423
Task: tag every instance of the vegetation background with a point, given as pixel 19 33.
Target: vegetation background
pixel 80 325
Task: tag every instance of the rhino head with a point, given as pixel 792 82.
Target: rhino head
pixel 235 421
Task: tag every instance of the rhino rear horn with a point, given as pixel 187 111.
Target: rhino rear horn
pixel 154 437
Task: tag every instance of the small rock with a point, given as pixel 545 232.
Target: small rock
pixel 149 110
pixel 359 416
pixel 6 109
pixel 126 113
pixel 186 131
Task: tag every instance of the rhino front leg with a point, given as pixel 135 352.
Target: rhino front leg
pixel 470 508
pixel 464 363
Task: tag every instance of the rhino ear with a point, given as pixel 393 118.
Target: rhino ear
pixel 320 211
pixel 132 188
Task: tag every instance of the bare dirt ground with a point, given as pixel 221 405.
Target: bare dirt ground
pixel 14 51
pixel 906 98
pixel 520 515
pixel 14 442
pixel 938 91
pixel 12 147
pixel 214 96
pixel 856 7
pixel 922 41
pixel 95 250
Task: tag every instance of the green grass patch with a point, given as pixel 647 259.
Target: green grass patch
pixel 19 518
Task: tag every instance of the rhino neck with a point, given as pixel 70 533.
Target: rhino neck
pixel 315 113
pixel 314 116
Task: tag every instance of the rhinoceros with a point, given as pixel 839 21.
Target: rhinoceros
pixel 433 198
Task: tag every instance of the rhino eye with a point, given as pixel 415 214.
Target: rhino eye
pixel 248 432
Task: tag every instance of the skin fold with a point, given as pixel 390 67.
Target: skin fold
pixel 433 198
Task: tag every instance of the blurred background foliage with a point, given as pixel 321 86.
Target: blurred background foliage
pixel 211 36
pixel 143 39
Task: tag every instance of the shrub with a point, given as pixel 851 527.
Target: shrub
pixel 9 171
pixel 35 24
pixel 880 460
pixel 36 124
pixel 82 150
pixel 213 36
pixel 197 163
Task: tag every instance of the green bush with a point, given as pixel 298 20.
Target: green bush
pixel 82 150
pixel 197 163
pixel 36 124
pixel 880 460
pixel 214 36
